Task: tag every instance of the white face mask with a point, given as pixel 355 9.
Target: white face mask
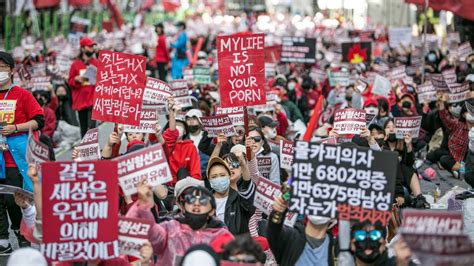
pixel 271 134
pixel 181 131
pixel 455 110
pixel 318 220
pixel 470 118
pixel 291 86
pixel 4 77
pixel 372 110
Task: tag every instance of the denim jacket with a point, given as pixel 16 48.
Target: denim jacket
pixel 17 146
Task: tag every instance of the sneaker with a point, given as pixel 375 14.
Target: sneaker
pixel 6 250
pixel 456 174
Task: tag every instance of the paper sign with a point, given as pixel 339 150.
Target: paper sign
pixel 121 81
pixel 180 91
pixel 270 70
pixel 298 50
pixel 219 124
pixel 90 74
pixel 89 149
pixel 399 36
pixel 188 74
pixel 341 78
pixel 7 111
pixel 42 83
pixel 361 84
pixel 241 59
pixel 369 118
pixel 398 73
pixel 264 165
pixel 407 125
pixel 449 76
pixel 12 190
pixel 133 234
pixel 348 183
pixel 426 93
pixel 156 92
pixel 236 114
pixel 148 120
pixel 437 80
pixel 381 86
pixel 458 92
pixel 36 152
pixel 149 163
pixel 202 75
pixel 286 154
pixel 349 121
pixel 464 50
pixel 318 74
pixel 80 203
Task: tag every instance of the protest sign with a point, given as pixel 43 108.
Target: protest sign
pixel 464 50
pixel 156 92
pixel 149 163
pixel 458 92
pixel 219 124
pixel 272 54
pixel 453 39
pixel 90 74
pixel 133 234
pixel 121 81
pixel 470 108
pixel 148 121
pixel 341 78
pixel 180 92
pixel 437 80
pixel 12 190
pixel 241 59
pixel 426 93
pixel 399 36
pixel 39 70
pixel 79 25
pixel 23 73
pixel 318 74
pixel 298 50
pixel 398 73
pixel 88 149
pixel 36 152
pixel 80 203
pixel 349 121
pixel 264 165
pixel 407 125
pixel 356 52
pixel 449 76
pixel 369 118
pixel 349 183
pixel 270 70
pixel 361 84
pixel 7 111
pixel 381 86
pixel 63 63
pixel 202 75
pixel 415 221
pixel 283 69
pixel 188 74
pixel 42 83
pixel 286 154
pixel 236 114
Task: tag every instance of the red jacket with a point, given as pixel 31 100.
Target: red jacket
pixel 181 153
pixel 161 53
pixel 82 95
pixel 283 124
pixel 49 122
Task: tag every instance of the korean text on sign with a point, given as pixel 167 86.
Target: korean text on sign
pixel 349 121
pixel 156 92
pixel 133 234
pixel 407 125
pixel 80 202
pixel 89 149
pixel 286 154
pixel 219 124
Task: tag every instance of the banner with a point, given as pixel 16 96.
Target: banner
pixel 356 52
pixel 351 183
pixel 121 81
pixel 381 86
pixel 286 154
pixel 399 36
pixel 426 93
pixel 349 121
pixel 298 50
pixel 458 92
pixel 149 163
pixel 89 149
pixel 241 59
pixel 80 203
pixel 264 166
pixel 437 80
pixel 133 234
pixel 407 125
pixel 202 75
pixel 180 92
pixel 236 114
pixel 219 124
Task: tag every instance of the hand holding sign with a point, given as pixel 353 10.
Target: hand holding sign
pixel 144 192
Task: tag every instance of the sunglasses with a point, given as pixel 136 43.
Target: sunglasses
pixel 243 258
pixel 234 165
pixel 257 138
pixel 191 199
pixel 361 235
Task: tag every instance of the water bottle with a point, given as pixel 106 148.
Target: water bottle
pixel 278 217
pixel 437 193
pixel 462 171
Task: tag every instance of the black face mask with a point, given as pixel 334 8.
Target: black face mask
pixel 41 101
pixel 62 98
pixel 406 105
pixel 349 98
pixel 193 129
pixel 89 54
pixel 392 137
pixel 367 244
pixel 196 221
pixel 380 142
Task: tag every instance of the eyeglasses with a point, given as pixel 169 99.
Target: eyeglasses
pixel 243 258
pixel 191 199
pixel 257 138
pixel 234 165
pixel 361 235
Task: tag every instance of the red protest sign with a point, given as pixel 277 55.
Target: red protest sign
pixel 80 202
pixel 219 124
pixel 89 149
pixel 149 163
pixel 407 125
pixel 133 234
pixel 349 121
pixel 118 94
pixel 241 59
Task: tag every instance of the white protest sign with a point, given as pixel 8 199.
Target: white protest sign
pixel 407 125
pixel 236 114
pixel 156 92
pixel 449 76
pixel 341 78
pixel 349 121
pixel 148 121
pixel 399 36
pixel 286 154
pixel 150 163
pixel 12 190
pixel 219 124
pixel 464 50
pixel 398 73
pixel 381 86
pixel 133 234
pixel 264 165
pixel 361 84
pixel 180 91
pixel 88 149
pixel 458 92
pixel 426 93
pixel 270 70
pixel 36 152
pixel 318 74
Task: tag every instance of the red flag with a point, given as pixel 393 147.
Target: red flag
pixel 171 5
pixel 314 119
pixel 46 3
pixel 79 3
pixel 462 8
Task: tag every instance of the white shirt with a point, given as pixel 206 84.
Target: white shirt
pixel 196 139
pixel 220 208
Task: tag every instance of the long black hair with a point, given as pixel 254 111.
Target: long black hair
pixel 266 147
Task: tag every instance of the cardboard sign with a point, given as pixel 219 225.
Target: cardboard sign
pixel 464 50
pixel 236 114
pixel 356 52
pixel 407 125
pixel 241 59
pixel 133 234
pixel 458 92
pixel 36 152
pixel 80 203
pixel 89 149
pixel 7 111
pixel 12 190
pixel 156 92
pixel 180 91
pixel 426 93
pixel 219 124
pixel 351 183
pixel 361 84
pixel 148 120
pixel 349 121
pixel 298 50
pixel 202 75
pixel 121 81
pixel 149 163
pixel 264 166
pixel 437 80
pixel 381 86
pixel 399 36
pixel 286 154
pixel 90 74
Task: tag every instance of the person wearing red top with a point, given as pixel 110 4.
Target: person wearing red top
pixel 44 98
pixel 82 90
pixel 162 56
pixel 20 113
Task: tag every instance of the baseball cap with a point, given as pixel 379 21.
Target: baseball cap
pixel 194 113
pixel 370 102
pixel 7 59
pixel 87 42
pixel 216 160
pixel 186 183
pixel 266 121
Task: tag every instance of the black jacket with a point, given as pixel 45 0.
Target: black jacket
pixel 207 147
pixel 239 208
pixel 287 244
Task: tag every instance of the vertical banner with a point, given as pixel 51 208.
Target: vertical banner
pixel 241 59
pixel 80 203
pixel 89 149
pixel 120 84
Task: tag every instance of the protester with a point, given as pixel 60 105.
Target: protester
pixel 162 56
pixel 261 148
pixel 44 98
pixel 180 58
pixel 64 111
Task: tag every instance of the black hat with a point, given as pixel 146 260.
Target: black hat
pixel 266 121
pixel 377 127
pixel 7 59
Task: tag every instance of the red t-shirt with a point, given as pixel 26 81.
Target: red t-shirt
pixel 26 108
